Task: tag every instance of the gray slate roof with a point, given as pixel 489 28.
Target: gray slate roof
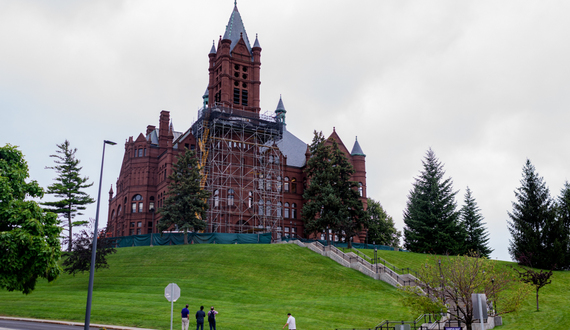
pixel 235 29
pixel 292 147
pixel 213 49
pixel 256 42
pixel 356 150
pixel 280 106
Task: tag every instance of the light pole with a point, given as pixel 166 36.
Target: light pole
pixel 152 230
pixel 94 247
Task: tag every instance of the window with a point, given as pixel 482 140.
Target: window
pixel 268 208
pixel 294 185
pixel 293 211
pixel 244 97
pixel 132 225
pixel 135 153
pixel 360 189
pixel 286 215
pixel 250 200
pixel 139 231
pixel 230 197
pixel 139 224
pixel 236 95
pixel 140 152
pixel 286 229
pixel 137 198
pixel 134 208
pixel 216 198
pixel 119 210
pixel 260 207
pixel 192 147
pixel 260 183
pixel 279 209
pixel 145 151
pixel 113 215
pixel 293 229
pixel 131 232
pixel 141 209
pixel 278 184
pixel 268 183
pixel 286 184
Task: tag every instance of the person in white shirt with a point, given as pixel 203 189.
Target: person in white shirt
pixel 290 322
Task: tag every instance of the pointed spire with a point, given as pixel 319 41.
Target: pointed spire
pixel 356 149
pixel 280 111
pixel 213 50
pixel 235 29
pixel 171 126
pixel 256 43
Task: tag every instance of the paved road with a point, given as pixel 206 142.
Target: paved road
pixel 24 325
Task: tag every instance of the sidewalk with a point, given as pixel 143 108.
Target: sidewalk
pixel 81 324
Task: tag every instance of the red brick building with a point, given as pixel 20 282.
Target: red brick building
pixel 252 165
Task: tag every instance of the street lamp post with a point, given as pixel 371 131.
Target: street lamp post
pixel 152 230
pixel 94 247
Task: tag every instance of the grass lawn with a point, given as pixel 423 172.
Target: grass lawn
pixel 252 287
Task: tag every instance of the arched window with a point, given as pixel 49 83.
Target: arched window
pixel 260 185
pixel 230 197
pixel 278 184
pixel 119 210
pixel 268 208
pixel 294 185
pixel 151 203
pixel 137 197
pixel 279 209
pixel 140 152
pixel 260 207
pixel 360 189
pixel 113 215
pixel 216 198
pixel 286 211
pixel 293 211
pixel 268 183
pixel 286 184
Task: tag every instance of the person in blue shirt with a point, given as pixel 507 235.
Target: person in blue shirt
pixel 185 320
pixel 200 318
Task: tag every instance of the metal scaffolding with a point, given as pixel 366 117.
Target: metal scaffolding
pixel 241 167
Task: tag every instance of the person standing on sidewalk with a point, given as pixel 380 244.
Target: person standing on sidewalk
pixel 200 318
pixel 290 322
pixel 185 320
pixel 212 318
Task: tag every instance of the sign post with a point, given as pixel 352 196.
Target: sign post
pixel 172 293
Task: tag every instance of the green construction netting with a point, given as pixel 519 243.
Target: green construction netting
pixel 193 238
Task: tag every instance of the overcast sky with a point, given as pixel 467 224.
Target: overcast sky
pixel 485 84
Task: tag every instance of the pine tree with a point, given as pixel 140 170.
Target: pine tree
pixel 532 220
pixel 69 188
pixel 431 218
pixel 559 232
pixel 332 200
pixel 186 204
pixel 477 237
pixel 381 227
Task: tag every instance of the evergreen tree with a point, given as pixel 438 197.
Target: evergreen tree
pixel 187 203
pixel 532 220
pixel 332 200
pixel 69 188
pixel 381 227
pixel 559 232
pixel 477 239
pixel 431 218
pixel 28 235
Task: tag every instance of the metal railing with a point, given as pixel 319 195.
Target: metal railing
pixel 423 322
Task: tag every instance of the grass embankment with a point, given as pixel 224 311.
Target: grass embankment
pixel 554 299
pixel 252 286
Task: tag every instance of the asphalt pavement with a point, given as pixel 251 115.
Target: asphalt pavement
pixel 27 325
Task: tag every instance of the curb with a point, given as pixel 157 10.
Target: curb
pixel 114 327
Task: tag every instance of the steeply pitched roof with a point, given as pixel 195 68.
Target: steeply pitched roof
pixel 256 42
pixel 235 29
pixel 280 106
pixel 213 49
pixel 292 147
pixel 356 150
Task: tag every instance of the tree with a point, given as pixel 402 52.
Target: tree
pixel 560 232
pixel 28 235
pixel 531 276
pixel 186 204
pixel 532 220
pixel 79 259
pixel 332 200
pixel 477 237
pixel 69 189
pixel 451 280
pixel 381 228
pixel 431 218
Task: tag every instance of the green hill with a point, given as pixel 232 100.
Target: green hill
pixel 252 286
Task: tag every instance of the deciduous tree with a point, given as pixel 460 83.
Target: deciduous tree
pixel 477 237
pixel 186 204
pixel 79 259
pixel 538 279
pixel 68 189
pixel 381 227
pixel 431 218
pixel 28 235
